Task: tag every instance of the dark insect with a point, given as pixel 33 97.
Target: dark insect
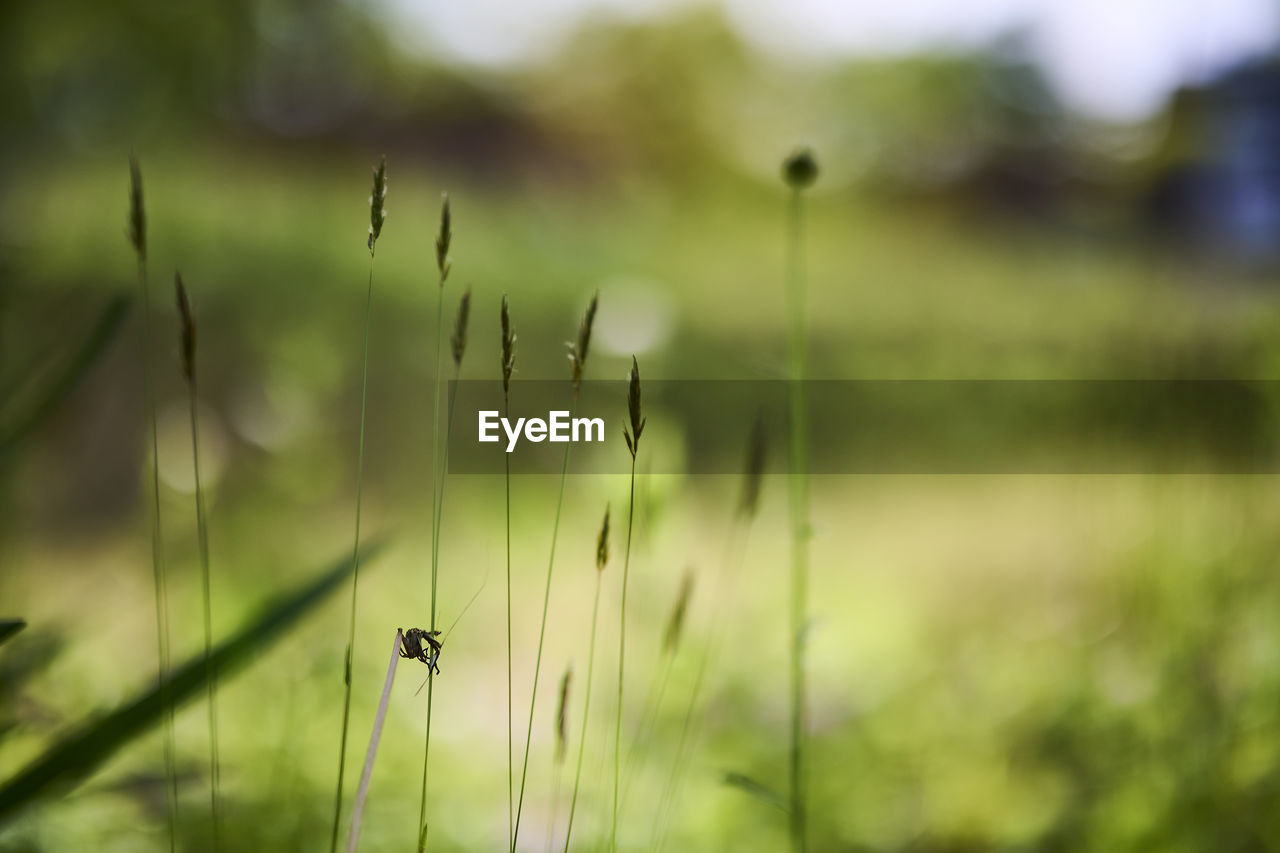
pixel 421 644
pixel 412 644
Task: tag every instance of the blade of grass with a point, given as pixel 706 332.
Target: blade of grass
pixel 76 755
pixel 578 358
pixel 443 241
pixel 202 532
pixel 91 349
pixel 508 365
pixel 633 446
pixel 602 559
pixel 362 790
pixel 160 581
pixel 735 549
pixel 9 627
pixel 377 217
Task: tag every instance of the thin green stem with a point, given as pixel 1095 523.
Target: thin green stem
pixel 798 490
pixel 622 658
pixel 202 534
pixel 159 574
pixel 735 544
pixel 586 710
pixel 542 632
pixel 437 503
pixel 355 560
pixel 511 805
pixel 557 778
pixel 648 719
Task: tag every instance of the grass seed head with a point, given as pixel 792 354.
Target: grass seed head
pixel 508 348
pixel 378 203
pixel 757 448
pixel 188 327
pixel 675 624
pixel 443 239
pixel 800 170
pixel 460 328
pixel 137 214
pixel 602 542
pixel 633 409
pixel 578 350
pixel 562 715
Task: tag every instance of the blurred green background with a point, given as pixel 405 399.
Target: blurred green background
pixel 1003 662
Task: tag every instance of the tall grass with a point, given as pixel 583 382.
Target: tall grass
pixel 377 216
pixel 138 238
pixel 508 366
pixel 562 739
pixel 735 547
pixel 633 446
pixel 440 471
pixel 800 170
pixel 578 360
pixel 658 684
pixel 188 333
pixel 602 559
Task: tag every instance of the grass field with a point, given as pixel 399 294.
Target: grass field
pixel 995 662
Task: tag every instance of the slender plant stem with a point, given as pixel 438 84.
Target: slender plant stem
pixel 735 545
pixel 355 560
pixel 158 571
pixel 648 719
pixel 586 709
pixel 622 657
pixel 439 475
pixel 511 805
pixel 798 489
pixel 542 632
pixel 362 790
pixel 202 533
pixel 557 778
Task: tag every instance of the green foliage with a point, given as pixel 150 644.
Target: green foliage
pixel 79 753
pixel 15 428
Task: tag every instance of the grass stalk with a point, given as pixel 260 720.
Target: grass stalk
pixel 657 684
pixel 377 216
pixel 735 549
pixel 562 737
pixel 578 358
pixel 633 446
pixel 508 366
pixel 160 580
pixel 622 660
pixel 800 170
pixel 362 790
pixel 542 631
pixel 602 558
pixel 440 471
pixel 202 534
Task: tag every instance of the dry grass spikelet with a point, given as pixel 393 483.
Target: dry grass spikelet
pixel 578 350
pixel 460 328
pixel 602 542
pixel 634 410
pixel 137 214
pixel 562 715
pixel 675 624
pixel 188 329
pixel 757 449
pixel 508 347
pixel 378 203
pixel 443 239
